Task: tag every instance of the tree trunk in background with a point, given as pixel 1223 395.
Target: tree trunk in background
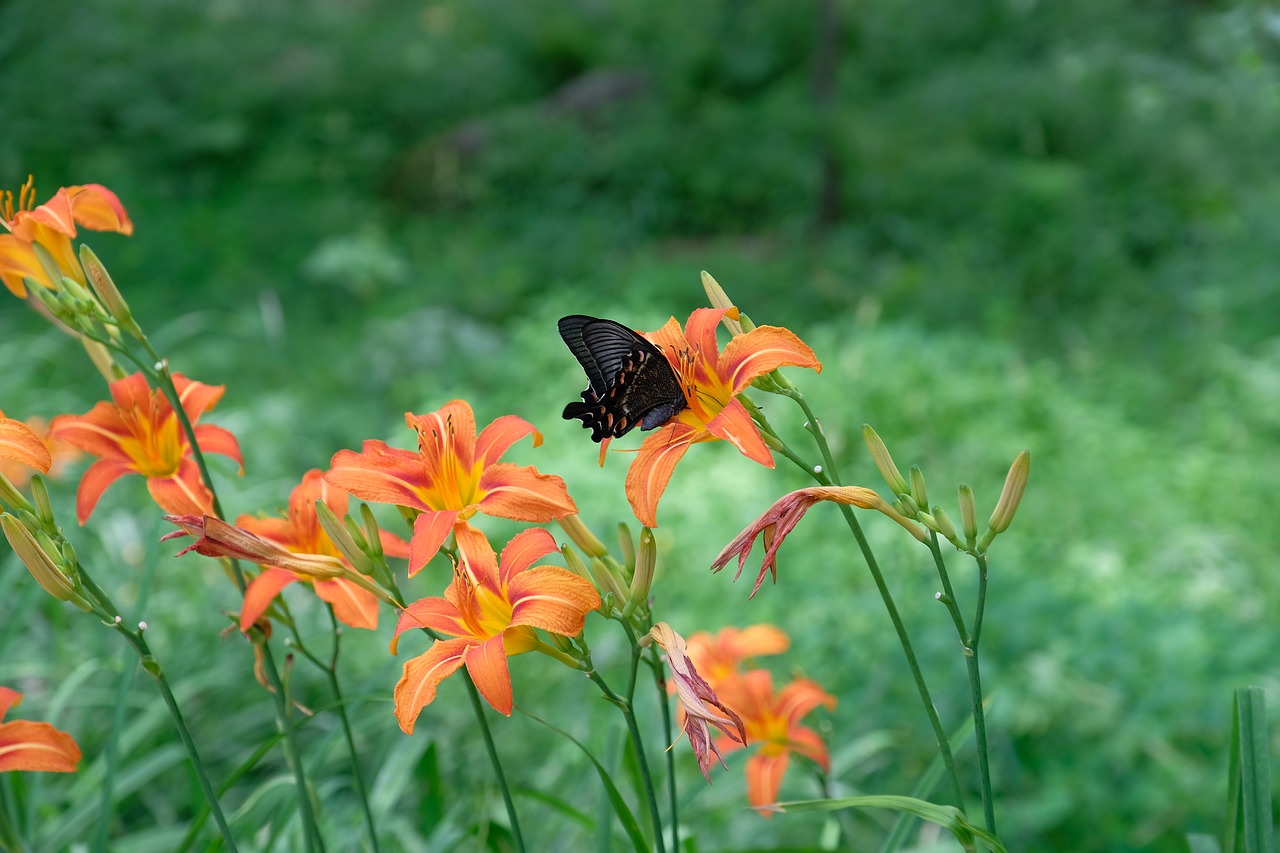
pixel 826 66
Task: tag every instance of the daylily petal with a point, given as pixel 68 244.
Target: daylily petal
pixel 215 439
pixel 422 675
pixel 98 432
pixel 498 436
pixel 553 599
pixel 734 424
pixel 810 744
pixel 524 494
pixel 380 474
pixel 800 697
pixel 700 331
pixel 670 338
pixel 54 214
pixel 17 263
pixel 278 531
pixel 196 397
pixel 438 614
pixel 8 699
pixel 99 209
pixel 21 443
pixel 450 430
pixel 430 529
pixel 393 545
pixel 764 778
pixel 480 563
pixel 97 477
pixel 651 470
pixel 352 603
pixel 524 549
pixel 25 745
pixel 183 494
pixel 762 350
pixel 261 591
pixel 487 666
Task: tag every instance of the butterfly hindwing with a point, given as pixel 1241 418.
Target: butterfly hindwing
pixel 630 381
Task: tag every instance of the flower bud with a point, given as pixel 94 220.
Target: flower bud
pixel 943 525
pixel 918 491
pixel 720 299
pixel 11 497
pixel 1014 485
pixel 101 358
pixel 907 505
pixel 108 293
pixel 968 514
pixel 642 579
pixel 43 508
pixel 582 535
pixel 372 532
pixel 884 462
pixel 608 582
pixel 37 559
pixel 341 539
pixel 627 544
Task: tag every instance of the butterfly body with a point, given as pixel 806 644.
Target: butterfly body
pixel 630 381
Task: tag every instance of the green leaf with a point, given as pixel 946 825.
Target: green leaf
pixel 949 818
pixel 1198 842
pixel 932 775
pixel 620 808
pixel 1255 769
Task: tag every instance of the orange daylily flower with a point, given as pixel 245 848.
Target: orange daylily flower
pixel 454 475
pixel 777 522
pixel 772 721
pixel 718 658
pixel 25 745
pixel 301 533
pixel 18 472
pixel 700 707
pixel 21 444
pixel 53 225
pixel 490 610
pixel 138 433
pixel 711 380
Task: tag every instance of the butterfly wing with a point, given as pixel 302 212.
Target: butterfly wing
pixel 630 381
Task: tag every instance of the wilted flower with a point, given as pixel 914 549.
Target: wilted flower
pixel 781 518
pixel 700 708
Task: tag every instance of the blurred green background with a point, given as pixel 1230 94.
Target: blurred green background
pixel 1002 225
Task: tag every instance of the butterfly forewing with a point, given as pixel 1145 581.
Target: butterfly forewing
pixel 631 383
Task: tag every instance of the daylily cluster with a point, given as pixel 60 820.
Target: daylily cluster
pixel 770 719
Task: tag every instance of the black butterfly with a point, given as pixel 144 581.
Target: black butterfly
pixel 631 383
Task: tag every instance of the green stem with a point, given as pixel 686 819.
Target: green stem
pixel 660 682
pixel 117 719
pixel 292 752
pixel 829 476
pixel 9 837
pixel 476 706
pixel 331 671
pixel 637 742
pixel 149 663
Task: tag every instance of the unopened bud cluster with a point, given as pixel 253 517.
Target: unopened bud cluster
pixel 912 499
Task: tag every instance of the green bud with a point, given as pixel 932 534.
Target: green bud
pixel 108 293
pixel 1015 483
pixel 642 579
pixel 37 558
pixel 918 491
pixel 10 496
pixel 43 508
pixel 582 536
pixel 720 299
pixel 341 539
pixel 373 537
pixel 944 526
pixel 907 505
pixel 968 514
pixel 627 544
pixel 884 462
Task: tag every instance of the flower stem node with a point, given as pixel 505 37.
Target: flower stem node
pixel 149 663
pixel 884 462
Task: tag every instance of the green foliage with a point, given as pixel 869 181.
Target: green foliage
pixel 1057 232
